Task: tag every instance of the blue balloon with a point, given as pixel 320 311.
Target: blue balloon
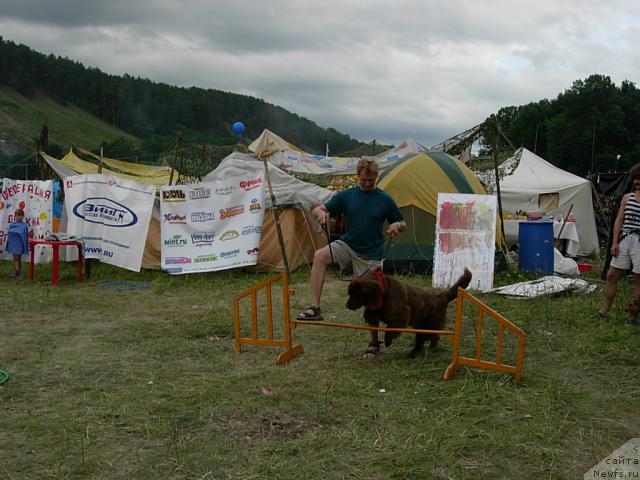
pixel 238 128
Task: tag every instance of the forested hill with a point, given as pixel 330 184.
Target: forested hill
pixel 584 129
pixel 146 109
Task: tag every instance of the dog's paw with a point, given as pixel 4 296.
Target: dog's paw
pixel 416 353
pixel 372 351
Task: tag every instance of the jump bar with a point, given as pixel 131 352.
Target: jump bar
pixel 367 327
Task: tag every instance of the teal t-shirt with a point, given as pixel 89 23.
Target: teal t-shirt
pixel 365 213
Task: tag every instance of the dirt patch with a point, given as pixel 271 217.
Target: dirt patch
pixel 266 425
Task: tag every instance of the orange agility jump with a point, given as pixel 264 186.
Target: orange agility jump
pixel 291 351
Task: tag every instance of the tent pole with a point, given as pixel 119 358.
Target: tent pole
pixel 276 216
pixel 494 124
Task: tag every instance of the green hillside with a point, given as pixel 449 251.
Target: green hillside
pixel 21 119
pixel 37 86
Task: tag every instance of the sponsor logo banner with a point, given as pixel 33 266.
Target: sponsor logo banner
pixel 206 226
pixel 111 215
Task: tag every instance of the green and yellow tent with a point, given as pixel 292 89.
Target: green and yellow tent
pixel 414 182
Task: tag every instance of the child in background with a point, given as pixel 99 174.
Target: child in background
pixel 18 240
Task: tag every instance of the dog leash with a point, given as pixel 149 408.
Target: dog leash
pixel 336 267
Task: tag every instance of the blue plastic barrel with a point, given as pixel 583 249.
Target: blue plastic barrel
pixel 535 247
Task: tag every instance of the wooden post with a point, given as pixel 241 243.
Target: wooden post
pixel 276 216
pixel 175 157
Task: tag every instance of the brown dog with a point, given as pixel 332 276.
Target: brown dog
pixel 399 305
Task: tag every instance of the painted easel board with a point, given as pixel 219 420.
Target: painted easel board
pixel 465 237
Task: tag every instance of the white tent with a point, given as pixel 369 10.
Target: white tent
pixel 527 182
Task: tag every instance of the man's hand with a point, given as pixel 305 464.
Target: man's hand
pixel 321 214
pixel 614 249
pixel 395 228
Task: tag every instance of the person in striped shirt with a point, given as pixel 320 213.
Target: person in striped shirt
pixel 625 248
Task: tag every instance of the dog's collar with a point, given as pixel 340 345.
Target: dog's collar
pixel 380 302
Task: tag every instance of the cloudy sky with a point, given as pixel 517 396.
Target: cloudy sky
pixel 373 69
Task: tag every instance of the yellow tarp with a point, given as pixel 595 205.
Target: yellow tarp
pixel 78 165
pixel 134 168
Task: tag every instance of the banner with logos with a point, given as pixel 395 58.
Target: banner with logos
pixel 211 226
pixel 35 197
pixel 111 215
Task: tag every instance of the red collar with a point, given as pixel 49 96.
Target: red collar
pixel 380 302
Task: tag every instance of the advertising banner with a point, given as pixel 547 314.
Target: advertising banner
pixel 211 226
pixel 111 216
pixel 35 197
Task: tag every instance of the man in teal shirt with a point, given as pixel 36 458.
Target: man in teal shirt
pixel 365 208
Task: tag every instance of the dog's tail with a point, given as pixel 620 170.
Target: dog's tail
pixel 463 282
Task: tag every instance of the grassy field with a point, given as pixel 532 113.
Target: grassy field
pixel 145 384
pixel 21 119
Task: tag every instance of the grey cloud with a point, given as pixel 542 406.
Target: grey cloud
pixel 374 69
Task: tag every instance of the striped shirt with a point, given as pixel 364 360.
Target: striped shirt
pixel 631 221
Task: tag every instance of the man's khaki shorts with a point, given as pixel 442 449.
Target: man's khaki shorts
pixel 344 255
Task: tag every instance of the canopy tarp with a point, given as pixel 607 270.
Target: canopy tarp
pixel 79 166
pixel 137 169
pixel 289 157
pixel 62 171
pixel 288 190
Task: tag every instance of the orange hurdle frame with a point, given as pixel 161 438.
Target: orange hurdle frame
pixel 498 365
pixel 286 342
pixel 291 351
